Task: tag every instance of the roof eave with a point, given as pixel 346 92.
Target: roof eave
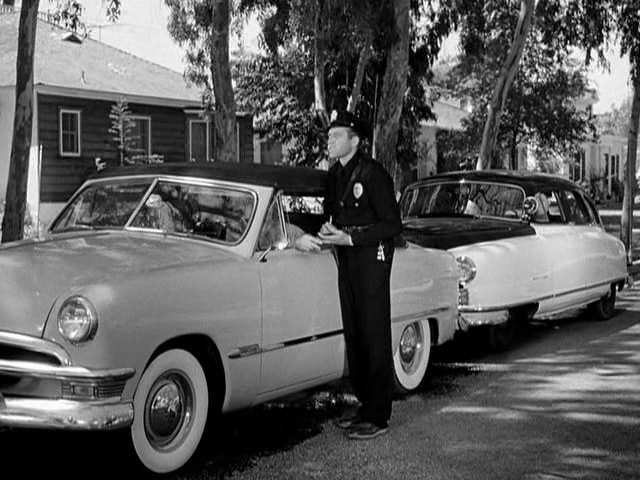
pixel 115 96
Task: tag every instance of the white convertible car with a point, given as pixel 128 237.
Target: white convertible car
pixel 529 245
pixel 165 295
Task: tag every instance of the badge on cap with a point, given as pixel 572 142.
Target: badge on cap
pixel 358 190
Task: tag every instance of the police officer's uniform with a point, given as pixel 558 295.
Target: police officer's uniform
pixel 362 202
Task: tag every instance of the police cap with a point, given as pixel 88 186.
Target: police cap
pixel 342 118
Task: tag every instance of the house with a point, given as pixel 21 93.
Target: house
pixel 75 86
pixel 449 113
pixel 599 165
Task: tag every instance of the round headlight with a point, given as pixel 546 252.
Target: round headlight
pixel 466 269
pixel 77 319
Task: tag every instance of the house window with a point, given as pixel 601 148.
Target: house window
pixel 615 166
pixel 141 136
pixel 578 170
pixel 69 133
pixel 199 141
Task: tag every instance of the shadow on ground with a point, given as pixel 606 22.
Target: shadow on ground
pixel 571 403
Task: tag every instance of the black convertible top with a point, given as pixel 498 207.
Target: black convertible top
pixel 530 182
pixel 294 180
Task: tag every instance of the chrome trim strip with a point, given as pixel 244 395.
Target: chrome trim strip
pixel 247 351
pixel 38 345
pixel 64 414
pixel 271 348
pixel 38 370
pixel 254 349
pixel 507 306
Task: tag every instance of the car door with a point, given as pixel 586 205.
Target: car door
pixel 596 246
pixel 302 340
pixel 564 255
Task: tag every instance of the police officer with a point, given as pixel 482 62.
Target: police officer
pixel 363 219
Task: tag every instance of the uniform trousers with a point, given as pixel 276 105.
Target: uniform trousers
pixel 363 283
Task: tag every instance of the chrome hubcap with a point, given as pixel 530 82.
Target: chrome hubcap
pixel 410 347
pixel 168 410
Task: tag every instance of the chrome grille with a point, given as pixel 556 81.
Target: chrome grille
pixel 12 352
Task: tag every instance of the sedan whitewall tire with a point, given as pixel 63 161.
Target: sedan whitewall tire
pixel 411 357
pixel 171 405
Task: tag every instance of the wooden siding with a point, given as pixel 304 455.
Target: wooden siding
pixel 60 176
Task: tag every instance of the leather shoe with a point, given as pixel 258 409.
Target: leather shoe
pixel 366 431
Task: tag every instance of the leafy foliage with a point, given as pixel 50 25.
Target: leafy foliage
pixel 616 121
pixel 542 108
pixel 280 89
pixel 189 25
pixel 280 95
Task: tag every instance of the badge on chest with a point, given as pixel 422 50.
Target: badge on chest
pixel 357 190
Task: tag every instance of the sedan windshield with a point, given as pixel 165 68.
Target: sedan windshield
pixel 463 198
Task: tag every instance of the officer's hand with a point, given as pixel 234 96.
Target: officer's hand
pixel 338 237
pixel 307 243
pixel 328 228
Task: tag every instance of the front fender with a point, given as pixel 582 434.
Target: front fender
pixel 139 313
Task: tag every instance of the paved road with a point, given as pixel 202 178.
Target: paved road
pixel 564 403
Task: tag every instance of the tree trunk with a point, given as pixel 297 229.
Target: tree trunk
pixel 503 84
pixel 320 102
pixel 16 194
pixel 626 220
pixel 225 107
pixel 363 60
pixel 394 85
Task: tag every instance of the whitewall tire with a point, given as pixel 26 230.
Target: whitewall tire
pixel 171 405
pixel 411 356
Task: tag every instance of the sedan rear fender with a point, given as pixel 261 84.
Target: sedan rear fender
pixel 508 272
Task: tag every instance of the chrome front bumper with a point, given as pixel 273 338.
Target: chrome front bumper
pixel 46 391
pixel 63 414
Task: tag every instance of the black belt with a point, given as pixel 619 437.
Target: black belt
pixel 355 228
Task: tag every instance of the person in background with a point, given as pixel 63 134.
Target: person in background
pixel 363 219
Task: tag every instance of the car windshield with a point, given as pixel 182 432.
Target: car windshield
pixel 475 199
pixel 102 205
pixel 218 213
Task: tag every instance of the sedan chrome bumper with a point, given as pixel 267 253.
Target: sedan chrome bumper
pixel 63 414
pixel 470 318
pixel 40 388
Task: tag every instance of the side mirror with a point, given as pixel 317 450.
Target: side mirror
pixel 276 246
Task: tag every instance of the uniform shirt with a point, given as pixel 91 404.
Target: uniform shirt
pixel 361 194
